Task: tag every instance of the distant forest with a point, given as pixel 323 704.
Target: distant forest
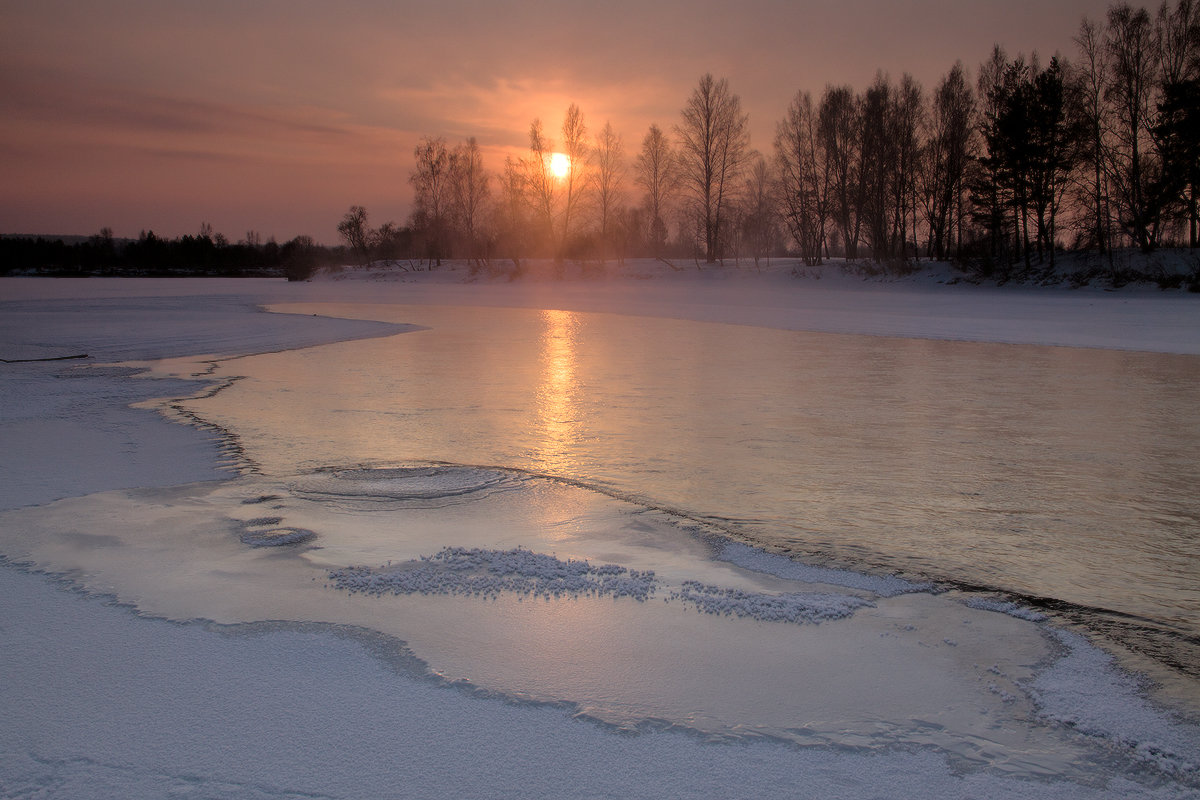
pixel 998 172
pixel 205 254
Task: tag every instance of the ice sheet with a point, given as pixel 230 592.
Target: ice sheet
pixel 103 703
pixel 703 649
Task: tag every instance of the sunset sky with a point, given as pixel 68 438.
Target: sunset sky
pixel 277 115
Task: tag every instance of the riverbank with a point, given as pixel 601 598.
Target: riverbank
pixel 141 707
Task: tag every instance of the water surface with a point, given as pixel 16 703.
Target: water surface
pixel 621 463
pixel 1059 473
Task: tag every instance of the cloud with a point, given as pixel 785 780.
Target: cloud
pixel 81 114
pixel 301 94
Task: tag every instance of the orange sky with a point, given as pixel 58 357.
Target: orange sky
pixel 277 115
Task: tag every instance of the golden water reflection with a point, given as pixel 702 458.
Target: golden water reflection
pixel 558 422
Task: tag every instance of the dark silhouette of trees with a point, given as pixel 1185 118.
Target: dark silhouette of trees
pixel 355 233
pixel 1105 148
pixel 948 154
pixel 839 130
pixel 1177 129
pixel 205 254
pixel 1178 132
pixel 805 177
pixel 906 119
pixel 1131 47
pixel 714 144
pixel 1033 141
pixel 1090 89
pixel 1054 136
pixel 995 171
pixel 877 167
pixel 889 122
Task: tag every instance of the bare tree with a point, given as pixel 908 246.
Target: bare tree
pixel 557 188
pixel 947 154
pixel 877 169
pixel 540 181
pixel 840 132
pixel 431 179
pixel 354 231
pixel 1177 34
pixel 511 212
pixel 805 177
pixel 1177 130
pixel 469 192
pixel 714 143
pixel 578 152
pixel 388 241
pixel 1131 45
pixel 759 229
pixel 990 181
pixel 657 175
pixel 1090 81
pixel 905 122
pixel 609 179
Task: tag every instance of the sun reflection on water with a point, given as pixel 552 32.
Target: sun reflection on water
pixel 557 413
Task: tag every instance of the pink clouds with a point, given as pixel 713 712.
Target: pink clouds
pixel 278 115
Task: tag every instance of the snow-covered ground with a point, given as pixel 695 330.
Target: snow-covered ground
pixel 99 701
pixel 933 303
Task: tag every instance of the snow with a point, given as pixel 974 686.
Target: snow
pixel 118 707
pixel 101 701
pixel 1005 607
pixel 927 304
pixel 1103 703
pixel 783 567
pixel 796 607
pixel 488 573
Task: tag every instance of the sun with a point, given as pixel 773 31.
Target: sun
pixel 560 165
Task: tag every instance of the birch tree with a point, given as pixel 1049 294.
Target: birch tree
pixel 539 180
pixel 1131 46
pixel 469 189
pixel 839 129
pixel 657 175
pixel 714 144
pixel 609 179
pixel 431 180
pixel 947 155
pixel 804 178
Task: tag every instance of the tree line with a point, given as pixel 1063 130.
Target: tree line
pixel 203 254
pixel 1000 170
pixel 1003 170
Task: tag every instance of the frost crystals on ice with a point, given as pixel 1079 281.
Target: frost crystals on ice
pixel 487 573
pixel 797 607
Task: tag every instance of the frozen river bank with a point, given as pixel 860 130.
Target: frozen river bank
pixel 176 519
